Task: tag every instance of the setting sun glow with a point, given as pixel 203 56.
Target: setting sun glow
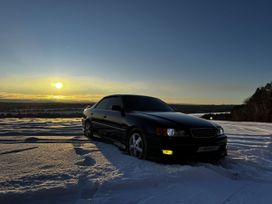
pixel 58 85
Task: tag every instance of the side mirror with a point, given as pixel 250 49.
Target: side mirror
pixel 116 108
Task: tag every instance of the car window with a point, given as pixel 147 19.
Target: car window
pixel 103 104
pixel 114 101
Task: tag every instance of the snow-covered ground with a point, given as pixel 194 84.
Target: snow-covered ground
pixel 49 161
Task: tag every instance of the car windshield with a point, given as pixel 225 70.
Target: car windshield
pixel 145 103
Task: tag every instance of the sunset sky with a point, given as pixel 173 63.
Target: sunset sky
pixel 201 52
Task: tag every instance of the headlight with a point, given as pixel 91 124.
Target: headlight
pixel 170 132
pixel 220 131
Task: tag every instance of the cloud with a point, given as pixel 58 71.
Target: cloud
pixel 87 88
pixel 74 88
pixel 39 97
pixel 71 85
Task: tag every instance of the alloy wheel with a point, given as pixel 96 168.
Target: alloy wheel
pixel 136 145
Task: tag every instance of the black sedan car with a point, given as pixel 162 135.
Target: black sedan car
pixel 146 126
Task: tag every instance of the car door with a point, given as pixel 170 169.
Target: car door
pixel 114 120
pixel 98 116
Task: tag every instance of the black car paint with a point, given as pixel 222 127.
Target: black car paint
pixel 116 125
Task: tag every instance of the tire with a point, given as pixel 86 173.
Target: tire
pixel 88 130
pixel 137 145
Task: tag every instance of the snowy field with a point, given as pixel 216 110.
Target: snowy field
pixel 49 161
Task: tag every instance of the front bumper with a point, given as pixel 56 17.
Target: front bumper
pixel 187 147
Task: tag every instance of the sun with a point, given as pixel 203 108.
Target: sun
pixel 58 85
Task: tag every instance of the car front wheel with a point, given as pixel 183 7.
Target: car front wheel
pixel 137 145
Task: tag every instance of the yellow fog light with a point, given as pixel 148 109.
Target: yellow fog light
pixel 167 152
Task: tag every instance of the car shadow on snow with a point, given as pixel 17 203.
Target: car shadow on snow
pixel 129 166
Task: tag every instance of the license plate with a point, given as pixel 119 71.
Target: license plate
pixel 208 148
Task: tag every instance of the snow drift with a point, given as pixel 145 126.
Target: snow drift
pixel 49 161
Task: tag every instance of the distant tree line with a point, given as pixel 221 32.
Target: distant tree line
pixel 257 107
pixel 60 110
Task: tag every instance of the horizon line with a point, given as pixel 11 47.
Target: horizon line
pixel 92 102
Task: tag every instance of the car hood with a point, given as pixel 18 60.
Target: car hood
pixel 179 119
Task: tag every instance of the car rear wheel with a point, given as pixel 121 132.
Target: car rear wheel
pixel 88 130
pixel 137 145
